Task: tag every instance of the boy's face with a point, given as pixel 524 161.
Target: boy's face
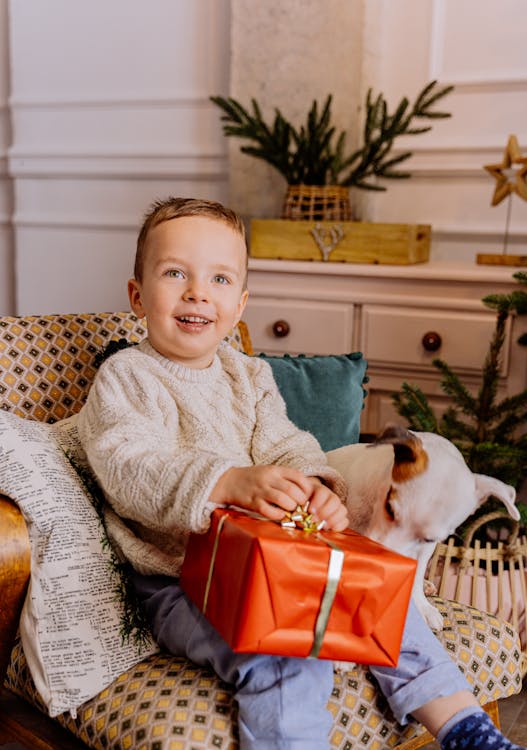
pixel 192 291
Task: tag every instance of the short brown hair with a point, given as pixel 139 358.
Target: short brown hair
pixel 175 208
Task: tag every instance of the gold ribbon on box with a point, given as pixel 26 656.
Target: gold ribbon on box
pixel 299 519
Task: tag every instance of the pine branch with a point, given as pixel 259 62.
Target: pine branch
pixel 511 404
pixel 503 432
pixel 491 370
pixel 134 624
pixel 453 387
pixel 458 430
pixel 429 97
pixel 520 276
pixel 313 154
pixel 380 128
pixel 413 405
pixel 507 462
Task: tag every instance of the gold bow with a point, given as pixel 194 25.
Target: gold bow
pixel 301 518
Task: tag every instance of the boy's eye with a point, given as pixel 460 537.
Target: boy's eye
pixel 221 279
pixel 174 273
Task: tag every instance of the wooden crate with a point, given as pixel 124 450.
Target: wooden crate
pixel 340 241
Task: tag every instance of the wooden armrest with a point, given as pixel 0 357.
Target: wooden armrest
pixel 15 561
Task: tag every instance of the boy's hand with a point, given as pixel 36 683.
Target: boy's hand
pixel 272 490
pixel 328 507
pixel 267 490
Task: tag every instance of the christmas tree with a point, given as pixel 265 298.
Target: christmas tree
pixel 489 432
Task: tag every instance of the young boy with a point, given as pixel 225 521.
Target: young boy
pixel 182 423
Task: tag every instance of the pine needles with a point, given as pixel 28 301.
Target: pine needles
pixel 134 624
pixel 314 154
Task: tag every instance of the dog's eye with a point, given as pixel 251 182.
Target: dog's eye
pixel 389 509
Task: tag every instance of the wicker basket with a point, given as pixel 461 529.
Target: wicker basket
pixel 489 576
pixel 317 203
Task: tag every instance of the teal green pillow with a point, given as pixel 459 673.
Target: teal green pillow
pixel 324 395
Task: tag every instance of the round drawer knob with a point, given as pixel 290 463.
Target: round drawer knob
pixel 431 341
pixel 281 328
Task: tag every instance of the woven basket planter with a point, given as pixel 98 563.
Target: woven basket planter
pixel 317 203
pixel 490 576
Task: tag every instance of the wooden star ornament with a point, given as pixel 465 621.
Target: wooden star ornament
pixel 511 174
pixel 511 177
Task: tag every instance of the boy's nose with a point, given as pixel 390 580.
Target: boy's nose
pixel 195 292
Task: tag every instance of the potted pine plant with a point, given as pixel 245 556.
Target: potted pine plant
pixel 313 159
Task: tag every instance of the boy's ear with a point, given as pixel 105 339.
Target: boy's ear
pixel 134 295
pixel 241 306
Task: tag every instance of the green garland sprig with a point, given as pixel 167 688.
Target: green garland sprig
pixel 134 625
pixel 313 154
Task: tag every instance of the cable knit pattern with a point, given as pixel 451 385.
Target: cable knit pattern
pixel 158 436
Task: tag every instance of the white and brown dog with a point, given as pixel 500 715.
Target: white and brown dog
pixel 409 491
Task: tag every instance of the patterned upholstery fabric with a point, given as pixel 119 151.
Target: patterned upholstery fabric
pixel 165 703
pixel 47 362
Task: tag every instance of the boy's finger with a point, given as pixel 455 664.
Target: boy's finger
pixel 285 497
pixel 300 480
pixel 271 511
pixel 296 494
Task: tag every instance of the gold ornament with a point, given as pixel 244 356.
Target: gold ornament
pixel 508 179
pixel 511 177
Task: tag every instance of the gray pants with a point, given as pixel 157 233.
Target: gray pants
pixel 282 700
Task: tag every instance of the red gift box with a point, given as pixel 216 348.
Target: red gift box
pixel 268 589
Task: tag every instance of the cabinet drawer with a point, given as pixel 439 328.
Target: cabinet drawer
pixel 318 328
pixel 400 336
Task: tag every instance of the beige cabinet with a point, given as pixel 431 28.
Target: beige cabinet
pixel 400 317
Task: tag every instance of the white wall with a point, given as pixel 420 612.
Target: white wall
pixel 291 56
pixel 110 110
pixel 7 301
pixel 479 46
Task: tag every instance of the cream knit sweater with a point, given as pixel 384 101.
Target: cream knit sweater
pixel 159 435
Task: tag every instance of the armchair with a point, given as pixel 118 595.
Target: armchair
pixel 163 702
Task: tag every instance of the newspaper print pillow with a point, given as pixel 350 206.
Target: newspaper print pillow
pixel 72 617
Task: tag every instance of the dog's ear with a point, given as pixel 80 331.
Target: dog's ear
pixel 411 458
pixel 487 486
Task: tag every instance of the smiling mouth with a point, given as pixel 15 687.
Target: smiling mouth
pixel 192 319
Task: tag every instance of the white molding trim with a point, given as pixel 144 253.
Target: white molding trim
pixel 112 165
pixel 490 83
pixel 452 160
pixel 444 148
pixel 139 100
pixel 69 221
pixel 437 30
pixel 475 232
pixel 433 169
pixel 442 160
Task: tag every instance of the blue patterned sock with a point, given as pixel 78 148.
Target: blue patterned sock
pixel 475 732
